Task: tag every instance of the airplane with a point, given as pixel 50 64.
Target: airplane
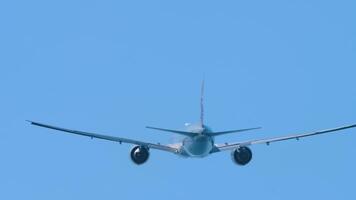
pixel 198 140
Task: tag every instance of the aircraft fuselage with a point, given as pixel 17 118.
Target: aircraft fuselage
pixel 198 146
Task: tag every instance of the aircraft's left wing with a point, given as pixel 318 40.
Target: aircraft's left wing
pixel 267 141
pixel 110 138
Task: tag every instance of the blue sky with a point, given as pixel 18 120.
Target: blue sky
pixel 114 67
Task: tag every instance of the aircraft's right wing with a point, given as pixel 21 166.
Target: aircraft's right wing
pixel 110 138
pixel 267 141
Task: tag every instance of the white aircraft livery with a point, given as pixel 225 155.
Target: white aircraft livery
pixel 198 142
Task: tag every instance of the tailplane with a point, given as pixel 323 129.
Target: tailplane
pixel 186 133
pixel 232 131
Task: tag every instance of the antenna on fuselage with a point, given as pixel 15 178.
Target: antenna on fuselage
pixel 202 104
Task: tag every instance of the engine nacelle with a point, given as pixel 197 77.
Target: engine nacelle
pixel 139 154
pixel 242 155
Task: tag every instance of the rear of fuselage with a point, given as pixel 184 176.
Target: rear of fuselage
pixel 199 145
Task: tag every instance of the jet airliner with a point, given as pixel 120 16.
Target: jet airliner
pixel 198 140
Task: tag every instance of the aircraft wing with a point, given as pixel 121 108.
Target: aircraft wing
pixel 110 138
pixel 227 146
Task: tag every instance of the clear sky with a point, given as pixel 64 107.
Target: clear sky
pixel 116 66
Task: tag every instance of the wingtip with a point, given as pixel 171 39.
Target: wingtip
pixel 29 121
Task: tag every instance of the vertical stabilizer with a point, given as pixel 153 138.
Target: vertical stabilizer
pixel 202 105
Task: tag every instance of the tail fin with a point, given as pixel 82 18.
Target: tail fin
pixel 202 104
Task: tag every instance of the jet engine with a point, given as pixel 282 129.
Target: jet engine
pixel 242 155
pixel 140 154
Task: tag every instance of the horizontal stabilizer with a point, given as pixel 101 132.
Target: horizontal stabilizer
pixel 232 131
pixel 189 134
